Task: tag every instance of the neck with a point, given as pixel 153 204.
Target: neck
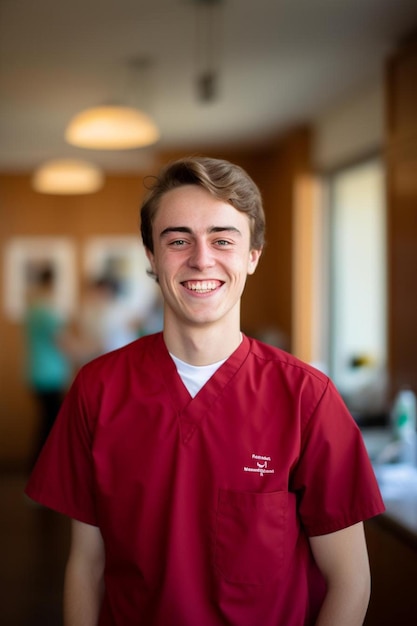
pixel 202 346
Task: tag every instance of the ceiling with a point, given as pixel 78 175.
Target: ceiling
pixel 278 63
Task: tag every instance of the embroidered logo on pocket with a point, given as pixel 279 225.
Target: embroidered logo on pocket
pixel 261 465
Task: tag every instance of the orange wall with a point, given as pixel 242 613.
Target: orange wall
pixel 114 210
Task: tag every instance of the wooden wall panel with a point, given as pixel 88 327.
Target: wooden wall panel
pixel 401 161
pixel 402 93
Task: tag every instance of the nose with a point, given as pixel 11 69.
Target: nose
pixel 201 256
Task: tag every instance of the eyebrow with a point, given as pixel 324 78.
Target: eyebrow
pixel 186 229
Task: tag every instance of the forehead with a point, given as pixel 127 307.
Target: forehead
pixel 191 205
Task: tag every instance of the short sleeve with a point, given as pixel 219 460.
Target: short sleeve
pixel 334 479
pixel 63 477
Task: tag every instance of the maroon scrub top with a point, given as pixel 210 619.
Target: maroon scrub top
pixel 206 504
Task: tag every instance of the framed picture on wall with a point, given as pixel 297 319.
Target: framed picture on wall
pixel 25 258
pixel 121 260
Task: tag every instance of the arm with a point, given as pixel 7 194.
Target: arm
pixel 342 558
pixel 83 587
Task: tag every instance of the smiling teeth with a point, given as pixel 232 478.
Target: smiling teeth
pixel 203 286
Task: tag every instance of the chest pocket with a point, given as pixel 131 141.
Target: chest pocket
pixel 250 535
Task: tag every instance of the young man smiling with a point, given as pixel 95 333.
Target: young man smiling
pixel 212 480
pixel 201 267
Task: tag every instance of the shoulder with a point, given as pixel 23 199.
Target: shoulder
pixel 285 362
pixel 283 376
pixel 112 378
pixel 132 355
pixel 297 388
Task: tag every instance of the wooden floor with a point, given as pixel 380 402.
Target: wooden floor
pixel 33 548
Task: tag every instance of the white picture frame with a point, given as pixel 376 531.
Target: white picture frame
pixel 124 259
pixel 24 254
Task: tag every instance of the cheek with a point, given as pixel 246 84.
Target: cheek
pixel 165 265
pixel 157 261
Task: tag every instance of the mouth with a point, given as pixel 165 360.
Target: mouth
pixel 202 286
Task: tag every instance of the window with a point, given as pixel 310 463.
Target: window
pixel 357 286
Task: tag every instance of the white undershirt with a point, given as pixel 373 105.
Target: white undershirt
pixel 195 377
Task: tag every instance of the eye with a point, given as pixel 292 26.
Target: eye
pixel 177 243
pixel 223 243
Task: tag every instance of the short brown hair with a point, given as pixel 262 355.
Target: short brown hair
pixel 224 180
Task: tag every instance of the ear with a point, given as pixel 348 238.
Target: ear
pixel 151 259
pixel 254 256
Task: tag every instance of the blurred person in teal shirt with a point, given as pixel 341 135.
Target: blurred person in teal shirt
pixel 49 368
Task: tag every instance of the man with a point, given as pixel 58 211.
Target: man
pixel 212 480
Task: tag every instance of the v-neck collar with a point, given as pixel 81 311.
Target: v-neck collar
pixel 191 411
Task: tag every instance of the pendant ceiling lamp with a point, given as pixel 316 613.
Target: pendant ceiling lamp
pixel 117 127
pixel 208 51
pixel 67 177
pixel 111 128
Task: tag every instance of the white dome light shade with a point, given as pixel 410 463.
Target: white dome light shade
pixel 67 177
pixel 111 128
